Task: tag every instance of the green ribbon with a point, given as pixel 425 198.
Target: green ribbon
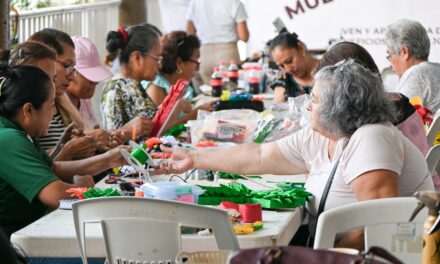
pixel 139 154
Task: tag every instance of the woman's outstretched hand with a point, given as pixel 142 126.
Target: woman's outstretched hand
pixel 180 161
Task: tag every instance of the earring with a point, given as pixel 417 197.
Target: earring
pixel 179 71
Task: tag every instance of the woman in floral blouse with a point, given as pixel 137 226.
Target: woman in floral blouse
pixel 125 103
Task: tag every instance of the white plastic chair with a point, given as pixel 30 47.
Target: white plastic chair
pixel 95 210
pixel 434 128
pixel 432 158
pixel 386 225
pixel 140 240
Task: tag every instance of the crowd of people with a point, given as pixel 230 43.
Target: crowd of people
pixel 52 140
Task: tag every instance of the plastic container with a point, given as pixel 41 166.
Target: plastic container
pixel 195 130
pixel 176 191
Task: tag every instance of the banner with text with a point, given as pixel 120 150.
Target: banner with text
pixel 360 21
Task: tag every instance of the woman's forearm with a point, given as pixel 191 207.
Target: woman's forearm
pixel 65 170
pixel 245 159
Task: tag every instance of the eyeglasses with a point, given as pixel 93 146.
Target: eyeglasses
pixel 389 56
pixel 157 58
pixel 68 68
pixel 194 61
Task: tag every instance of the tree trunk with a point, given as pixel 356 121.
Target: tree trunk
pixel 132 12
pixel 4 25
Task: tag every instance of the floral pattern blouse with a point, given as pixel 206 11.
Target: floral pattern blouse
pixel 122 100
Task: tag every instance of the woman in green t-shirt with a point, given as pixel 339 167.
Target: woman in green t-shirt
pixel 30 182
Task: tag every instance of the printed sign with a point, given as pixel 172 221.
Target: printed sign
pixel 360 21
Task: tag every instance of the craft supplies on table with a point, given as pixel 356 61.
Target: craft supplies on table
pixel 240 194
pixel 178 191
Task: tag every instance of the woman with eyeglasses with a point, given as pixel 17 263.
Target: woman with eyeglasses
pixel 408 47
pixel 63 141
pixel 291 55
pixel 180 60
pixel 124 102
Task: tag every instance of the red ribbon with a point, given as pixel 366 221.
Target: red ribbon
pixel 124 35
pixel 250 213
pixel 168 105
pixel 425 113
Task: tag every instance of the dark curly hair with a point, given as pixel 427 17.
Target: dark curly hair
pixel 177 44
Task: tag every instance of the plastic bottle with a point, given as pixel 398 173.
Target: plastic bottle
pixel 254 82
pixel 216 82
pixel 233 72
pixel 223 70
pixel 265 68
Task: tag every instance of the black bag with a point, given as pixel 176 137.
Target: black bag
pixel 285 254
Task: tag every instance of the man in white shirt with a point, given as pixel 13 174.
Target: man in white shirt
pixel 219 25
pixel 173 14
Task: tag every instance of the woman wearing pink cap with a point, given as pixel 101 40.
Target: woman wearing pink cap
pixel 90 72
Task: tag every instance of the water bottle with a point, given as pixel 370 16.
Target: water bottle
pixel 216 82
pixel 233 72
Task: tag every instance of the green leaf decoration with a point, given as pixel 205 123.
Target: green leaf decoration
pixel 233 176
pixel 175 131
pixel 96 192
pixel 239 193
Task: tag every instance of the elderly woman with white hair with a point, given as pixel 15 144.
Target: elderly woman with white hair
pixel 350 132
pixel 408 48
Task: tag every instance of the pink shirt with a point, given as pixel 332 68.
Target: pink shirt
pixel 413 129
pixel 87 114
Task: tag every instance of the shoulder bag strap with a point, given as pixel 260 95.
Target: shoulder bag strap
pixel 329 184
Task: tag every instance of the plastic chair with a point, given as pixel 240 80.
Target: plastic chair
pixel 140 240
pixel 434 128
pixel 203 257
pixel 432 158
pixel 386 225
pixel 183 214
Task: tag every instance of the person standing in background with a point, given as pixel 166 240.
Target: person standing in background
pixel 219 25
pixel 173 15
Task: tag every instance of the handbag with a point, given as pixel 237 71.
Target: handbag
pixel 286 254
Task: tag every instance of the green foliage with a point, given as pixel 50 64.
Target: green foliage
pixel 20 4
pixel 44 3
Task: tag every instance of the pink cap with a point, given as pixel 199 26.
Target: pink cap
pixel 88 62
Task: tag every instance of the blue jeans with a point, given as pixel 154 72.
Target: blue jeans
pixel 64 260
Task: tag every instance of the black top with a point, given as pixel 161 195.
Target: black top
pixel 292 88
